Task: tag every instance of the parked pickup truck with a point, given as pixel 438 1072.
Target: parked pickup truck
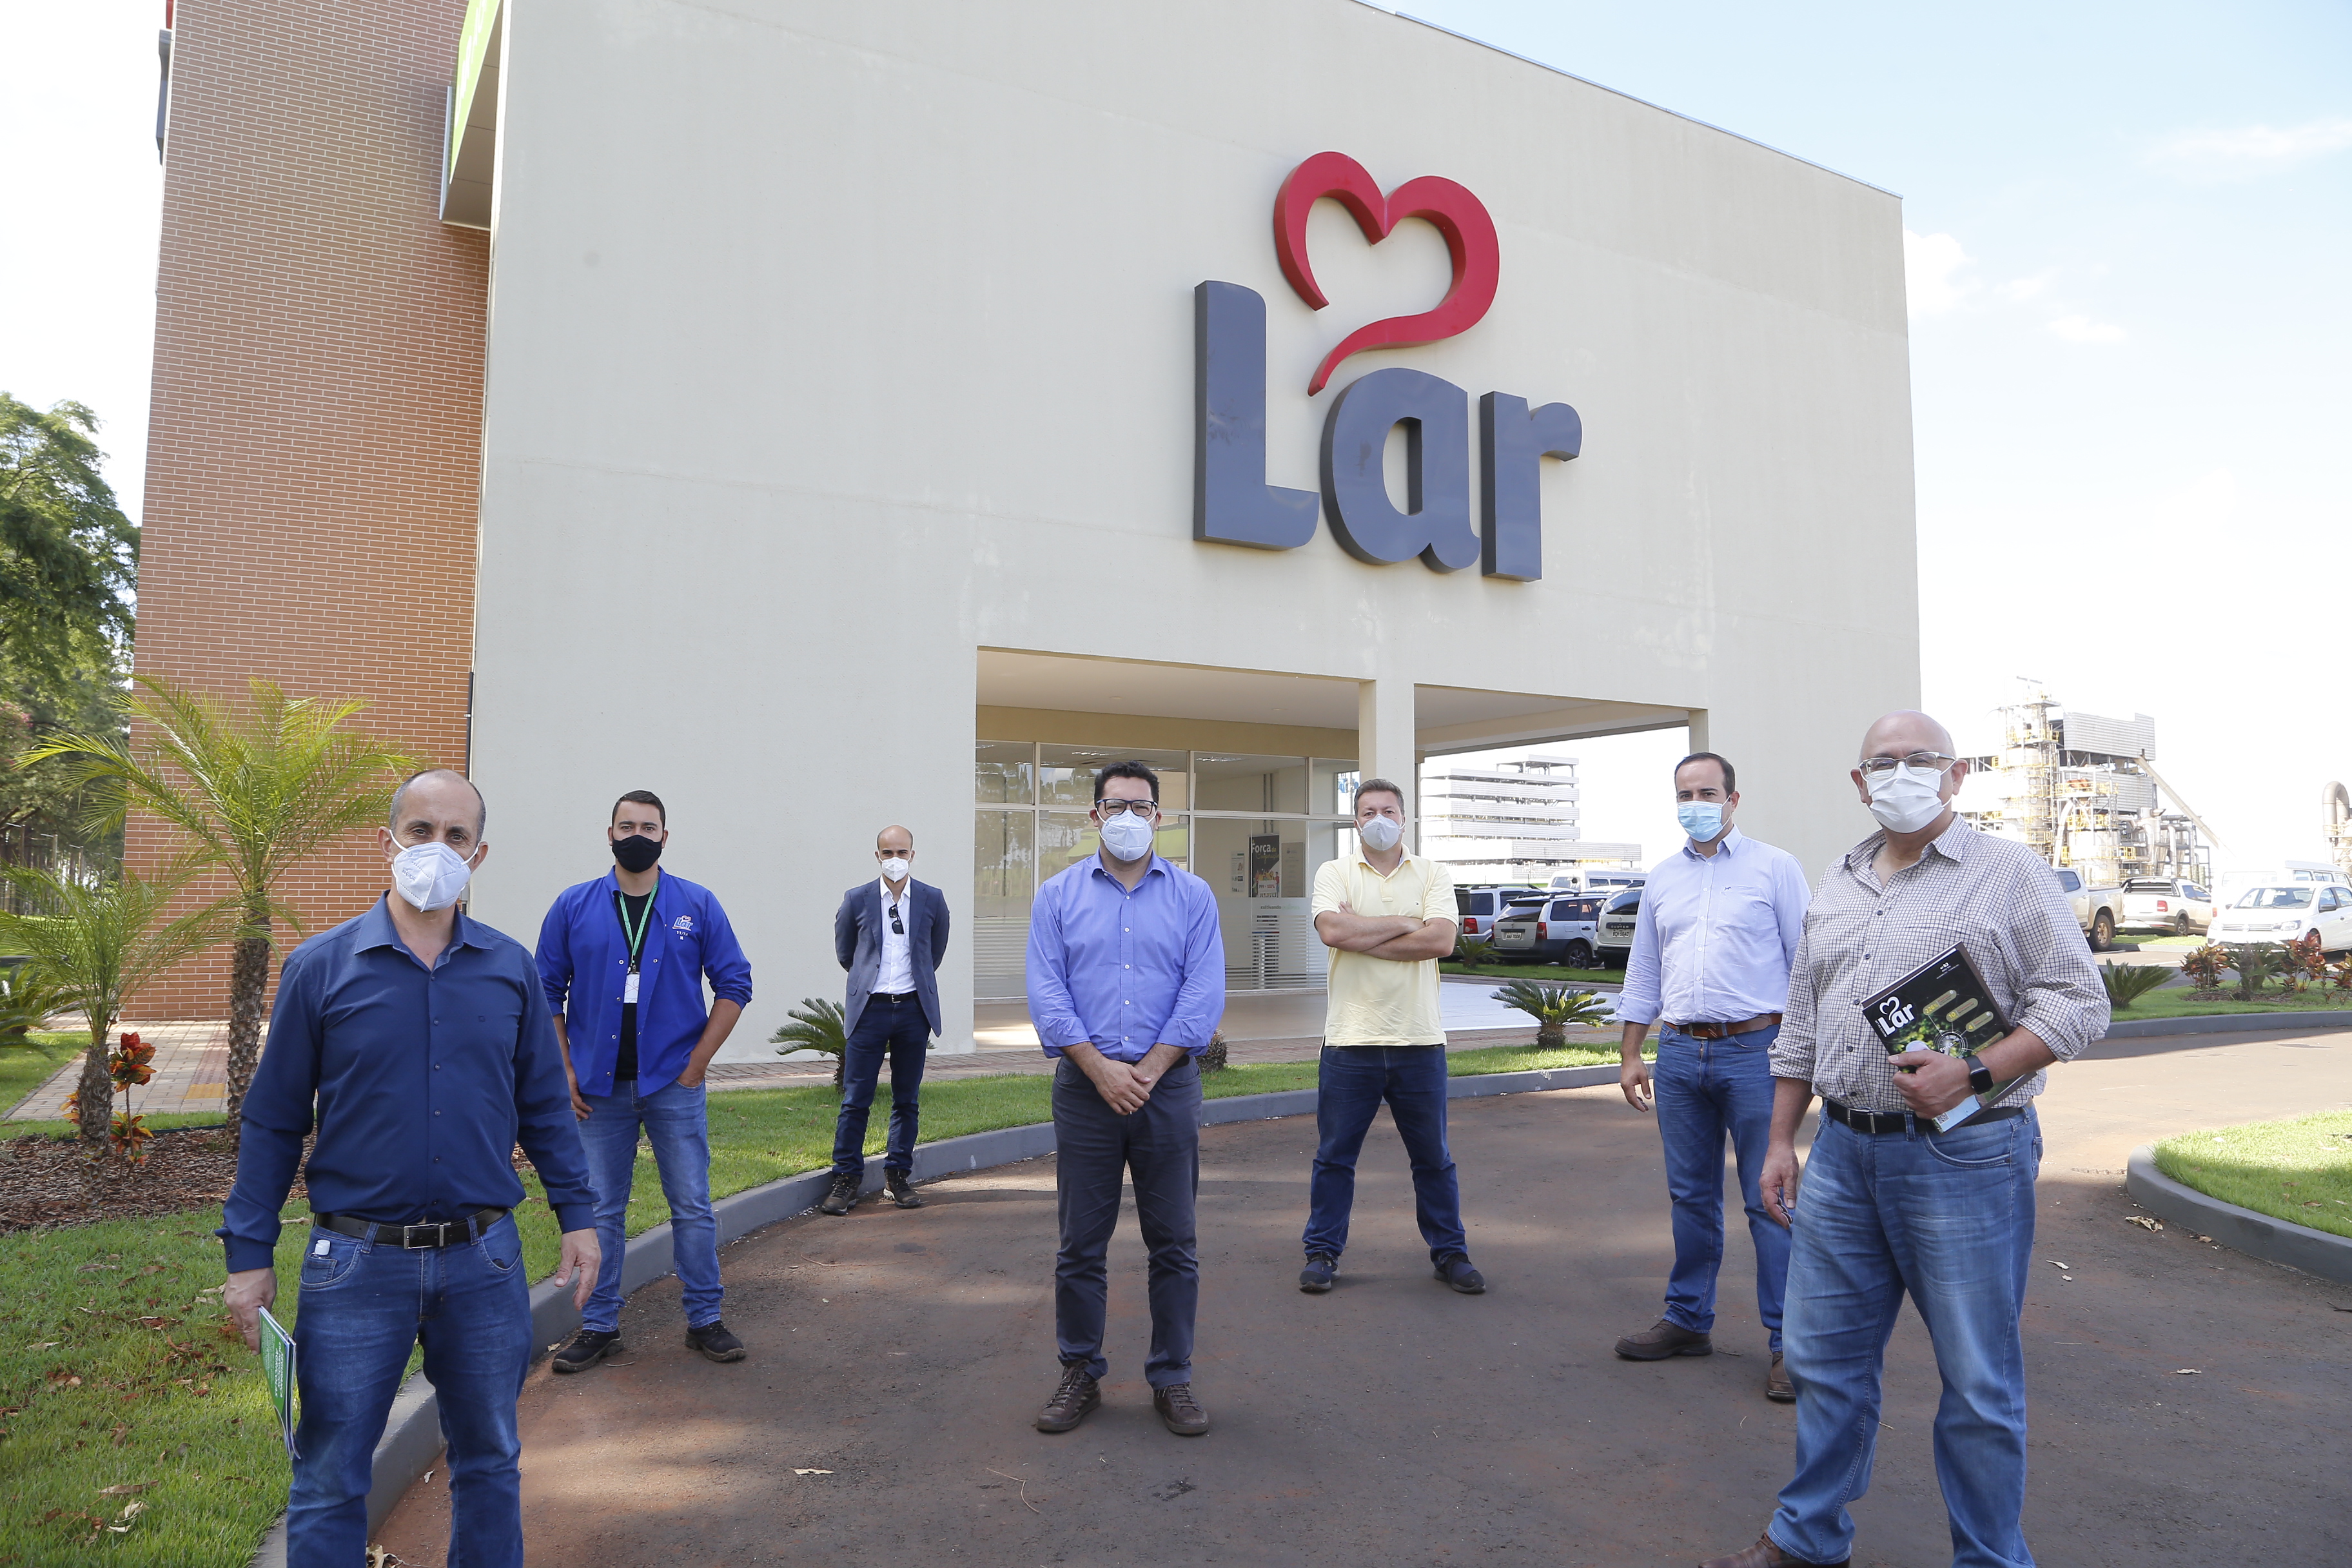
pixel 1553 931
pixel 2101 909
pixel 2166 903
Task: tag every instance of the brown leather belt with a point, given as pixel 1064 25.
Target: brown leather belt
pixel 1721 1031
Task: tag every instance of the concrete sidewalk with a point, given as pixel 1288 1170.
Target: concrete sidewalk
pixel 191 1071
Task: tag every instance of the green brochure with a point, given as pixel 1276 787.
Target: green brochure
pixel 278 1370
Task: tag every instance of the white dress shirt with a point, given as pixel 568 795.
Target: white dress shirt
pixel 1716 935
pixel 896 975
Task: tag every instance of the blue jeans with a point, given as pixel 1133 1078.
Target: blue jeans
pixel 1350 1085
pixel 1160 1147
pixel 1949 1217
pixel 364 1305
pixel 899 1030
pixel 675 1122
pixel 1706 1088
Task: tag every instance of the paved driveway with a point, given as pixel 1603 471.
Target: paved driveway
pixel 899 1356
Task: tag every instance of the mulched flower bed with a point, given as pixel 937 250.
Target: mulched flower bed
pixel 50 1182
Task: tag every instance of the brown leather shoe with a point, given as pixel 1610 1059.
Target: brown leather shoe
pixel 1180 1411
pixel 1662 1340
pixel 1767 1553
pixel 1776 1387
pixel 1076 1396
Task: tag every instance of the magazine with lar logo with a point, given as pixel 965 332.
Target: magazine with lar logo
pixel 1942 1005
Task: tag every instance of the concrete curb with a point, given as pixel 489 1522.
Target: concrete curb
pixel 2227 1023
pixel 412 1441
pixel 2240 1230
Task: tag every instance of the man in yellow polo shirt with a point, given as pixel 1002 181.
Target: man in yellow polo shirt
pixel 1388 916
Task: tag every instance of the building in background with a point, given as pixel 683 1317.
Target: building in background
pixel 1511 821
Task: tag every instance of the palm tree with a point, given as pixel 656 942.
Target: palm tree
pixel 817 1025
pixel 1554 1008
pixel 98 943
pixel 254 794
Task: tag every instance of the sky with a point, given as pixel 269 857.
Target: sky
pixel 2128 230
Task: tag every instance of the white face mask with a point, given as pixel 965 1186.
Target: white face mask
pixel 1127 836
pixel 1380 834
pixel 430 876
pixel 895 869
pixel 1905 799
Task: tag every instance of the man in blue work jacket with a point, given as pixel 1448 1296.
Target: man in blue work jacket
pixel 623 959
pixel 417 1042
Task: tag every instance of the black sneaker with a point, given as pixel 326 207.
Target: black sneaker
pixel 1322 1271
pixel 1455 1272
pixel 1179 1411
pixel 715 1342
pixel 585 1349
pixel 843 1195
pixel 902 1191
pixel 1073 1397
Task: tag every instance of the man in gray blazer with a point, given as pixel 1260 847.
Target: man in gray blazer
pixel 891 937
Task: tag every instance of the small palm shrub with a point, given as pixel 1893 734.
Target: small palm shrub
pixel 1554 1008
pixel 2255 963
pixel 2128 982
pixel 1212 1055
pixel 1470 952
pixel 28 996
pixel 817 1025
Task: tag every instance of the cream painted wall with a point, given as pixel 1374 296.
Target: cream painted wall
pixel 831 343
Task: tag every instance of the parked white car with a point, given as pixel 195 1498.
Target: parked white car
pixel 2166 903
pixel 2283 912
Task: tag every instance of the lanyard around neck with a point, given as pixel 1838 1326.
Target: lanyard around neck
pixel 637 937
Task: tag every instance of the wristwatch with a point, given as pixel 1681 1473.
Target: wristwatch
pixel 1979 1075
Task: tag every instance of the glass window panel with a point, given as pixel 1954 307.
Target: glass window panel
pixel 1064 838
pixel 1173 842
pixel 1067 776
pixel 1234 782
pixel 1005 871
pixel 1002 771
pixel 1331 786
pixel 1262 870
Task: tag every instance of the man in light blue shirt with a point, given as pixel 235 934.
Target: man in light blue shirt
pixel 1126 981
pixel 1712 945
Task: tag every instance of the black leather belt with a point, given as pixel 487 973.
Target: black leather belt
pixel 1896 1120
pixel 894 996
pixel 445 1233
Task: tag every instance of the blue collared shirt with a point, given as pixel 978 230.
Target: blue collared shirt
pixel 583 960
pixel 424 1081
pixel 1716 935
pixel 1125 971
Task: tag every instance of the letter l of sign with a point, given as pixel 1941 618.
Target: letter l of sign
pixel 1232 503
pixel 1513 443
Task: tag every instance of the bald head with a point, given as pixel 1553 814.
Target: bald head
pixel 1903 732
pixel 895 840
pixel 432 798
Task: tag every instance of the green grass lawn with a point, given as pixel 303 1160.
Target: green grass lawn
pixel 2300 1172
pixel 2174 1002
pixel 116 1368
pixel 29 1063
pixel 1502 972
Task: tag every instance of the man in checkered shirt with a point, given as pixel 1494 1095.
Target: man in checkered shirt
pixel 1891 1205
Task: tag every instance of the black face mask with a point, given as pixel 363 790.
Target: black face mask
pixel 637 852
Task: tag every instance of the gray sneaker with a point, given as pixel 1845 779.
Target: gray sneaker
pixel 1322 1271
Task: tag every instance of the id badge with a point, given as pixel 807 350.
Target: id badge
pixel 629 991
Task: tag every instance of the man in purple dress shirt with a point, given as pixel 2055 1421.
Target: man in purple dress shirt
pixel 1126 981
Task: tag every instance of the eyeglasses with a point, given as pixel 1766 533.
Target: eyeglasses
pixel 1113 807
pixel 1932 761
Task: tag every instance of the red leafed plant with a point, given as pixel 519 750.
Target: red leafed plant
pixel 2206 966
pixel 129 1135
pixel 128 1066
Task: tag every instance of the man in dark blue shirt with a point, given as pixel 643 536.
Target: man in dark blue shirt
pixel 623 960
pixel 424 1039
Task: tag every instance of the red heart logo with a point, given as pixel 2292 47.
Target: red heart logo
pixel 1458 215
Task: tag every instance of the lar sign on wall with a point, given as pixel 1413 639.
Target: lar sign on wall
pixel 1232 503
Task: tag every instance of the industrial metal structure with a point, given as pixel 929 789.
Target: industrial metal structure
pixel 2081 791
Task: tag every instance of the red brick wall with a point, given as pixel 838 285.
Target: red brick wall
pixel 315 431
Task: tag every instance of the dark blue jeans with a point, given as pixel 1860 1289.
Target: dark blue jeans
pixel 1160 1147
pixel 1947 1218
pixel 1707 1090
pixel 363 1305
pixel 675 1121
pixel 899 1030
pixel 1353 1081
